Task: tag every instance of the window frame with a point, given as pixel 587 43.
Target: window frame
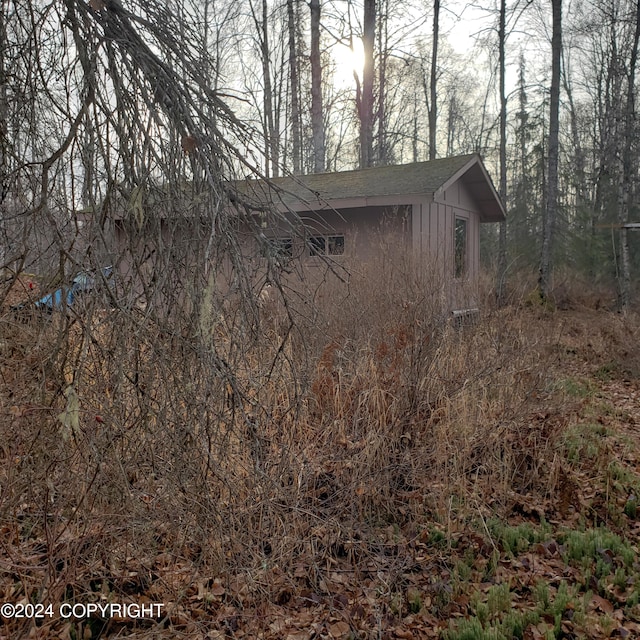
pixel 460 252
pixel 324 245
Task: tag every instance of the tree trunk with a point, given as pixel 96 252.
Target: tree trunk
pixel 414 138
pixel 433 107
pixel 551 207
pixel 382 146
pixel 624 192
pixel 520 223
pixel 502 242
pixel 579 157
pixel 366 105
pixel 296 133
pixel 4 137
pixel 317 115
pixel 4 110
pixel 270 136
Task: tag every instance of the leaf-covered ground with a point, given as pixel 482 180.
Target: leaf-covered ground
pixel 563 567
pixel 550 556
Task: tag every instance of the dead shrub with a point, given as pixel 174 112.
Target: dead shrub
pixel 133 461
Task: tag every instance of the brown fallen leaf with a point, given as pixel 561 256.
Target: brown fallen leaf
pixel 339 629
pixel 217 589
pixel 600 603
pixel 539 632
pixel 297 635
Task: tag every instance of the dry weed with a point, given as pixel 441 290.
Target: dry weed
pixel 131 465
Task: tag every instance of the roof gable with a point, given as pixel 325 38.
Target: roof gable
pixel 479 184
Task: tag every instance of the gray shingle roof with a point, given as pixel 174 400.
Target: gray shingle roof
pixel 418 178
pixel 322 190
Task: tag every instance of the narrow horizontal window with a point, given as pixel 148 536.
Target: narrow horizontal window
pixel 278 248
pixel 335 245
pixel 283 247
pixel 326 245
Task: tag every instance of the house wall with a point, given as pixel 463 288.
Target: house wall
pixel 373 230
pixel 459 203
pixel 163 264
pixel 433 233
pixel 144 255
pixel 365 230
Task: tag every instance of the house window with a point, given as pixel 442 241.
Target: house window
pixel 460 250
pixel 326 245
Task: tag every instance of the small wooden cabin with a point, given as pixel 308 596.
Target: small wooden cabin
pixel 436 206
pixel 433 208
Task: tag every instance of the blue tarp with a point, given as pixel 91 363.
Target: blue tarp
pixel 64 297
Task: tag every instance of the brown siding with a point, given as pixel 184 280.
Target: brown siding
pixel 459 203
pixel 364 228
pixel 440 225
pixel 416 228
pixel 420 222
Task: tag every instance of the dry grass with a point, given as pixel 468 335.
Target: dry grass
pixel 132 467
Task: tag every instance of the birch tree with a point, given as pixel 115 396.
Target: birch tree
pixel 433 77
pixel 270 128
pixel 294 89
pixel 626 170
pixel 502 188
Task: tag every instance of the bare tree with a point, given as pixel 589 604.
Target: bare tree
pixel 626 170
pixel 365 103
pixel 271 134
pixel 294 88
pixel 433 78
pixel 551 208
pixel 317 110
pixel 502 188
pixel 110 120
pixel 381 116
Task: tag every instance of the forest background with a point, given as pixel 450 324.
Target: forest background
pixel 332 86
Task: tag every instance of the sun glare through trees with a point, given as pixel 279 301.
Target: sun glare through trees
pixel 348 60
